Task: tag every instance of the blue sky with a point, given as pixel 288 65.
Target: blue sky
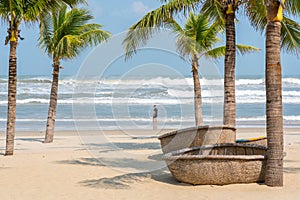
pixel 116 16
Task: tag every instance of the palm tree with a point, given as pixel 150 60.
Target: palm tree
pixel 197 38
pixel 290 29
pixel 256 11
pixel 229 116
pixel 14 12
pixel 218 10
pixel 282 33
pixel 64 34
pixel 223 11
pixel 274 173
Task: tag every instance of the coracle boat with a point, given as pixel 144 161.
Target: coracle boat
pixel 218 164
pixel 197 136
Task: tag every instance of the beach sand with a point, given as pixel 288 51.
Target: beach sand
pixel 65 169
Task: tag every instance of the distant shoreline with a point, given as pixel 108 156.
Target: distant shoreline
pixel 243 130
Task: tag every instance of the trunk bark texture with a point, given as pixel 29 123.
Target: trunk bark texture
pixel 229 72
pixel 12 94
pixel 53 103
pixel 273 73
pixel 197 93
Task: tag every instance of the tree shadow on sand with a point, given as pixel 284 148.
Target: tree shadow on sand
pixel 124 181
pixel 82 161
pixel 117 163
pixel 291 170
pixel 136 169
pixel 41 140
pixel 108 147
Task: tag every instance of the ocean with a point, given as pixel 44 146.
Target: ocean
pixel 114 103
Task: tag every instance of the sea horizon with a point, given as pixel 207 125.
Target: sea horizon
pixel 116 102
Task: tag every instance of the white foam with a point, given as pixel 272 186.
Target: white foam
pixel 245 119
pixel 291 118
pixel 263 118
pixel 291 93
pixel 295 81
pixel 240 82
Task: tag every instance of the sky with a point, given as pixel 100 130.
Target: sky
pixel 116 17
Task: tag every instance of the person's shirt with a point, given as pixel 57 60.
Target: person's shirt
pixel 155 110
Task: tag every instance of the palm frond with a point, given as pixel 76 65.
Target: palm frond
pixel 212 9
pixel 219 52
pixel 196 36
pixel 256 11
pixel 68 47
pixel 186 46
pixel 215 53
pixel 31 11
pixel 292 7
pixel 290 31
pixel 152 23
pixel 244 49
pixel 64 34
pixel 46 35
pixel 94 37
pixel 210 37
pixel 290 36
pixel 73 3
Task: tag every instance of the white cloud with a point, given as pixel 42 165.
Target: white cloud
pixel 139 8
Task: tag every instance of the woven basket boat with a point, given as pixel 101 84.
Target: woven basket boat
pixel 197 136
pixel 218 164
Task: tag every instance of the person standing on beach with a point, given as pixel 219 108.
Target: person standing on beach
pixel 155 111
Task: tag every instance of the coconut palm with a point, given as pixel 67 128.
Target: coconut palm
pixel 64 34
pixel 274 173
pixel 218 10
pixel 255 10
pixel 229 116
pixel 197 38
pixel 223 11
pixel 14 12
pixel 282 33
pixel 290 29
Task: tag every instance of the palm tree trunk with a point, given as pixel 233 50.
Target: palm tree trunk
pixel 12 94
pixel 197 93
pixel 274 171
pixel 229 73
pixel 53 103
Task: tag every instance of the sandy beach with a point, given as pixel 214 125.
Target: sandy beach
pixel 67 169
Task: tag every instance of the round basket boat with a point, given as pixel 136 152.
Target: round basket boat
pixel 197 136
pixel 218 164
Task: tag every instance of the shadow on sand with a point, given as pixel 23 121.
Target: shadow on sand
pixel 153 162
pixel 41 140
pixel 123 181
pixel 126 180
pixel 82 161
pixel 291 170
pixel 108 147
